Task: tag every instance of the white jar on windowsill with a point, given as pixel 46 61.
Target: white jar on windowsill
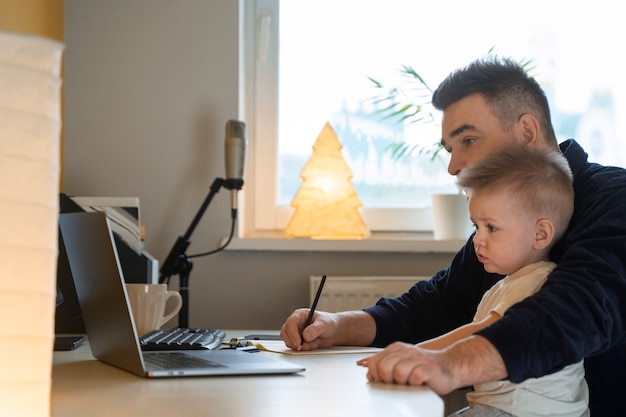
pixel 451 217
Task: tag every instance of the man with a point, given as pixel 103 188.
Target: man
pixel 579 313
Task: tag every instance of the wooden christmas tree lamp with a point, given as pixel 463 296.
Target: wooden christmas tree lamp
pixel 326 205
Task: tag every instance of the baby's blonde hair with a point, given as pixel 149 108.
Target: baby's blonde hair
pixel 539 180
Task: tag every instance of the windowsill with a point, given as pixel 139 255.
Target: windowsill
pixel 378 242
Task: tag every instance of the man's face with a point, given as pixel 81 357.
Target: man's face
pixel 470 131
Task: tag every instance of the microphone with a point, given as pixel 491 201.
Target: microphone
pixel 235 152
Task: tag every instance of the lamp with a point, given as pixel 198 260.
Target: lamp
pixel 30 126
pixel 326 205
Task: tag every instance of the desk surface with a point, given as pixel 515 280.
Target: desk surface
pixel 332 385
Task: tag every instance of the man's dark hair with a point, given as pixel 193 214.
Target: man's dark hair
pixel 509 90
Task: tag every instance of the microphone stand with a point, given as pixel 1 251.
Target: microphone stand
pixel 178 262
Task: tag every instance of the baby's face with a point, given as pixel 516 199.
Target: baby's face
pixel 505 234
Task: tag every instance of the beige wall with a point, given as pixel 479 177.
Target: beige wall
pixel 149 87
pixel 37 17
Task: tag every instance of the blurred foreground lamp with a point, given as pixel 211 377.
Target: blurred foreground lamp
pixel 326 205
pixel 30 127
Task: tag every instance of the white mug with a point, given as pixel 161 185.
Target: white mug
pixel 148 303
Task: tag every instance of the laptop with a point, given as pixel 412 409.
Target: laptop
pixel 109 322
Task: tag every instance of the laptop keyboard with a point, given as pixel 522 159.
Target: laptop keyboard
pixel 177 360
pixel 182 339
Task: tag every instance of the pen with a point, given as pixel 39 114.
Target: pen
pixel 309 319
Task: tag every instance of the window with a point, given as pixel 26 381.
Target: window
pixel 309 62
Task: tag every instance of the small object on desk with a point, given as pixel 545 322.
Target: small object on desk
pixel 240 343
pixel 309 319
pixel 262 337
pixel 182 339
pixel 67 342
pixel 236 342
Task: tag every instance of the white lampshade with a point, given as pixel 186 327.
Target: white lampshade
pixel 30 124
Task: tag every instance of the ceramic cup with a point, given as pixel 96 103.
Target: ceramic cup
pixel 148 303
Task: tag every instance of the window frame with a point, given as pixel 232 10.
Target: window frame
pixel 260 97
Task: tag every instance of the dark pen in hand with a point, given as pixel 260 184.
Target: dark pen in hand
pixel 309 319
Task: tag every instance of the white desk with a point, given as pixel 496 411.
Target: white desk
pixel 332 385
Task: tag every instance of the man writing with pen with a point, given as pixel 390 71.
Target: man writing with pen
pixel 578 314
pixel 309 317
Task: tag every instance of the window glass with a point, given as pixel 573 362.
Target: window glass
pixel 329 50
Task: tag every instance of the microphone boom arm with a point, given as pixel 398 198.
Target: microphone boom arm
pixel 179 263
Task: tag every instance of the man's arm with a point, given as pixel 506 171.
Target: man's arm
pixel 355 328
pixel 475 360
pixel 433 307
pixel 470 361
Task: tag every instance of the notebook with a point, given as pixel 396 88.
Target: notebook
pixel 109 323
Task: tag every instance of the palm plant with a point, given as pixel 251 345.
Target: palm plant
pixel 407 104
pixel 411 104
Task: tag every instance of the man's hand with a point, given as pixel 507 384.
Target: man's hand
pixel 468 362
pixel 320 334
pixel 403 363
pixel 354 328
